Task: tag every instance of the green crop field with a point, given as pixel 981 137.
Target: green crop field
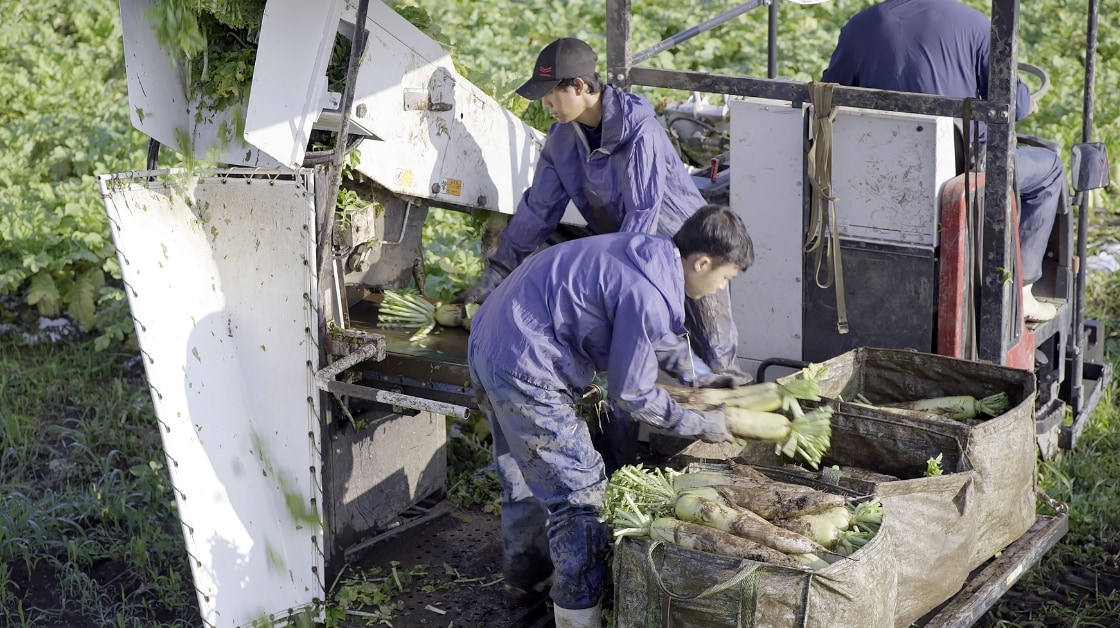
pixel 88 529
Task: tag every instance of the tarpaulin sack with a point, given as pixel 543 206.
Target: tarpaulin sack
pixel 657 584
pixel 931 532
pixel 1002 450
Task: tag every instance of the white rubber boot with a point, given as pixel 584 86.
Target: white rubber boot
pixel 578 618
pixel 1034 310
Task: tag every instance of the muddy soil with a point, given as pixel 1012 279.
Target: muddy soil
pixel 459 554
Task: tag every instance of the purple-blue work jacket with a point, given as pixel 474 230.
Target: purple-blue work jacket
pixel 634 182
pixel 597 304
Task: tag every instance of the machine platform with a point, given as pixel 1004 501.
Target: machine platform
pixel 434 367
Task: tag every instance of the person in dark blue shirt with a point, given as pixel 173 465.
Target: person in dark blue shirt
pixel 941 47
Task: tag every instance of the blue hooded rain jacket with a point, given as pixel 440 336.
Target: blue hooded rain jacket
pixel 634 182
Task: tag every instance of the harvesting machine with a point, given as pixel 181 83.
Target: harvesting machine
pixel 298 432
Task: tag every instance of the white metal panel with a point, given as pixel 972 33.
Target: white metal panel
pixel 220 282
pixel 290 76
pixel 436 134
pixel 158 102
pixel 887 172
pixel 767 168
pixel 441 137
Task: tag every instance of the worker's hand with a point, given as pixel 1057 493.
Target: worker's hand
pixel 720 431
pixel 705 378
pixel 482 288
pixel 696 372
pixel 723 380
pixel 734 378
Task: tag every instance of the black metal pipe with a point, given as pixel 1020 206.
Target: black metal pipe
pixel 1077 338
pixel 1090 72
pixel 772 41
pixel 357 50
pixel 760 373
pixel 328 179
pixel 1000 325
pixel 619 57
pixel 326 202
pixel 702 27
pixel 153 154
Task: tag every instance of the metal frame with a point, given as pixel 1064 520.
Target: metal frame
pixel 984 588
pixel 996 334
pixel 1079 340
pixel 999 335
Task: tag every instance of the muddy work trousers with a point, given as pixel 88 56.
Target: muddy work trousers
pixel 552 487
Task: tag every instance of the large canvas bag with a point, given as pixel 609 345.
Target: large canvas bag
pixel 1002 450
pixel 669 586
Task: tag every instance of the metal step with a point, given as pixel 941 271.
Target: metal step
pixel 1095 380
pixel 991 580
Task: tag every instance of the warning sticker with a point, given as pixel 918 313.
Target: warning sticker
pixel 404 177
pixel 454 187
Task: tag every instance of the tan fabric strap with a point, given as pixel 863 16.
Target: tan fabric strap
pixel 822 204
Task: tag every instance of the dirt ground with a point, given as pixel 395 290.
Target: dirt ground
pixel 1076 585
pixel 469 541
pixel 460 550
pixel 459 553
pixel 42 597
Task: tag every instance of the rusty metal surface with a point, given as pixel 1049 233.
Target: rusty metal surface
pixel 445 344
pixel 396 400
pixel 345 342
pixel 434 367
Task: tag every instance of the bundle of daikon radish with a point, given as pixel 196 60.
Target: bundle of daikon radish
pixel 743 515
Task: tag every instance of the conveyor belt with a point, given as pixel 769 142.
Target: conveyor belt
pixel 434 367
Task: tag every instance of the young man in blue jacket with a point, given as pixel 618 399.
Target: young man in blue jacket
pixel 607 154
pixel 601 304
pixel 941 47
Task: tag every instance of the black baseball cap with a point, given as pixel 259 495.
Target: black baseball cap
pixel 564 58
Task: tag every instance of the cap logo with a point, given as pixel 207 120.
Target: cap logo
pixel 544 71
